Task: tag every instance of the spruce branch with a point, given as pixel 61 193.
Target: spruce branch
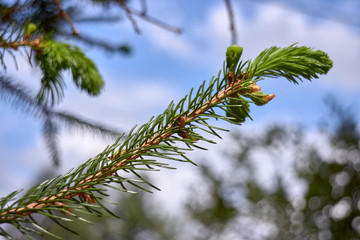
pixel 167 137
pixel 21 98
pixel 50 132
pixel 12 38
pixel 16 44
pixel 53 57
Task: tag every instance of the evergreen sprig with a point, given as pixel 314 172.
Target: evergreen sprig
pixel 12 37
pixel 167 137
pixel 293 63
pixel 53 57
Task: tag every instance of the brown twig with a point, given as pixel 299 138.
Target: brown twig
pixel 131 19
pixel 232 22
pixel 143 14
pixel 16 44
pixel 155 21
pixel 66 17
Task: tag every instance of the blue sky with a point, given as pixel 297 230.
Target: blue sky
pixel 165 66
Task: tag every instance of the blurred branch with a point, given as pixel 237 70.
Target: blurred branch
pixel 50 134
pixel 232 22
pixel 143 14
pixel 97 19
pixel 66 17
pixel 131 19
pixel 22 99
pixel 143 7
pixel 123 48
pixel 71 120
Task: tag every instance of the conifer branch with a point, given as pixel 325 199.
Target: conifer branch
pixel 177 124
pixel 161 138
pixel 21 98
pixel 16 44
pixel 53 57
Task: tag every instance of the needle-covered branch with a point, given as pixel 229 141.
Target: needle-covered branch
pixel 180 128
pixel 53 58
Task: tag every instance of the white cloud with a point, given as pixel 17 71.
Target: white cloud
pixel 175 45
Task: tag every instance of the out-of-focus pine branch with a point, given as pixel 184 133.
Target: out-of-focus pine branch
pixel 21 98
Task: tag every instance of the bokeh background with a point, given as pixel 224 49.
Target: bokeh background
pixel 164 66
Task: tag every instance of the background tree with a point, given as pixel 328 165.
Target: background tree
pixel 328 173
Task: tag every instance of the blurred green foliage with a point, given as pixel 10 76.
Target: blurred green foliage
pixel 55 57
pixel 328 171
pixel 43 25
